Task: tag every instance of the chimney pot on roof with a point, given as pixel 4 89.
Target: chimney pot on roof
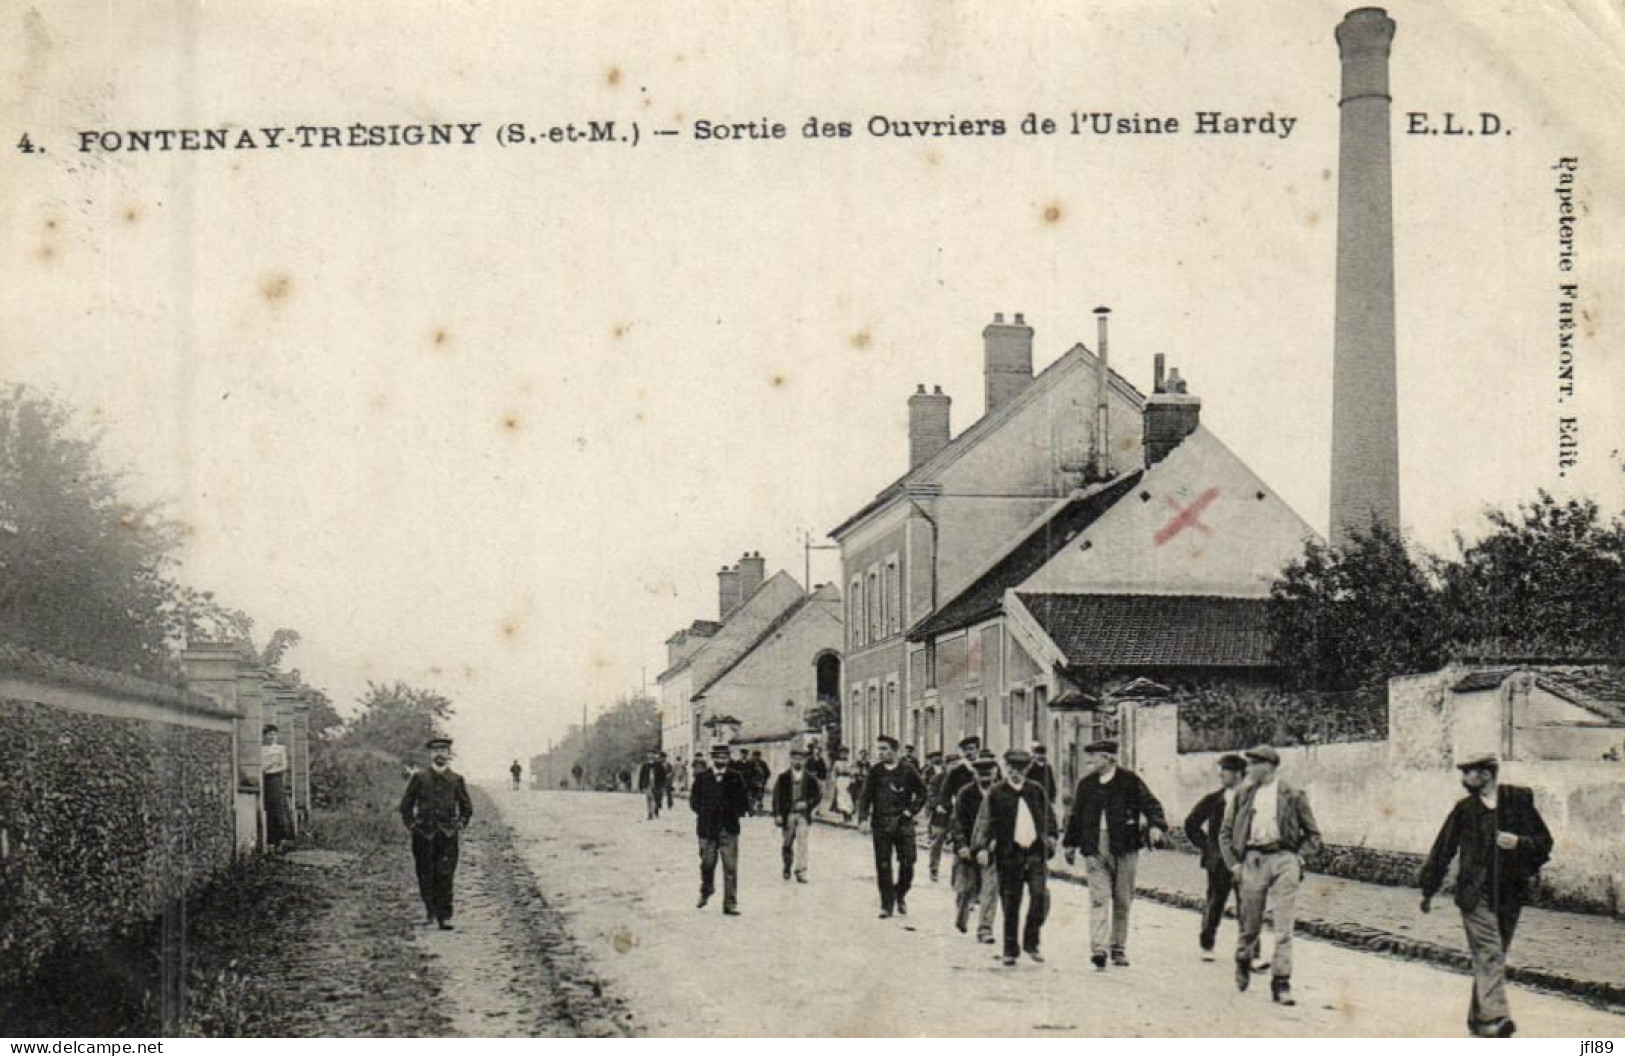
pixel 727 592
pixel 1158 379
pixel 752 573
pixel 1007 360
pixel 927 424
pixel 1171 415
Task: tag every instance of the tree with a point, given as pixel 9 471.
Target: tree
pixel 1353 615
pixel 84 573
pixel 620 738
pixel 397 719
pixel 1548 580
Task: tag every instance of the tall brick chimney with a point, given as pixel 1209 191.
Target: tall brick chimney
pixel 1007 359
pixel 1171 414
pixel 1365 411
pixel 752 574
pixel 727 591
pixel 927 424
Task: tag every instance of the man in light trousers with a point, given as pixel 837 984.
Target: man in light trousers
pixel 1267 830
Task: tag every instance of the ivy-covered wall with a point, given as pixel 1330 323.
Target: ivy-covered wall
pixel 103 820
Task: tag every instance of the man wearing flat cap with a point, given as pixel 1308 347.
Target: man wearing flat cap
pixel 719 798
pixel 1202 827
pixel 1040 771
pixel 892 795
pixel 957 776
pixel 936 770
pixel 436 809
pixel 795 797
pixel 1501 841
pixel 1113 813
pixel 1266 834
pixel 1016 834
pixel 975 886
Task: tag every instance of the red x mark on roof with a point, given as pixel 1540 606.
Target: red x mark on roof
pixel 1186 517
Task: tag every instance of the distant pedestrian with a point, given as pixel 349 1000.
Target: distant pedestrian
pixel 795 796
pixel 1016 834
pixel 516 772
pixel 1041 772
pixel 1202 827
pixel 976 886
pixel 652 783
pixel 892 795
pixel 1267 831
pixel 840 800
pixel 436 809
pixel 936 769
pixel 274 779
pixel 860 774
pixel 670 776
pixel 1113 814
pixel 758 774
pixel 1501 842
pixel 719 799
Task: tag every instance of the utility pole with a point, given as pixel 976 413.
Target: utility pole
pixel 807 548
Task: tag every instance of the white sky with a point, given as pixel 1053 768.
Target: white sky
pixel 651 359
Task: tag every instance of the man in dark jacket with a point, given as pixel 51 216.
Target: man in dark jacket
pixel 436 809
pixel 652 783
pixel 719 798
pixel 973 884
pixel 1202 828
pixel 958 776
pixel 1266 834
pixel 1015 833
pixel 1041 772
pixel 795 797
pixel 892 794
pixel 1502 842
pixel 1111 808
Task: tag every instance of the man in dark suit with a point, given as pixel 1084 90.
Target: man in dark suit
pixel 436 809
pixel 1041 772
pixel 1502 842
pixel 1113 813
pixel 719 798
pixel 1266 834
pixel 1016 833
pixel 892 795
pixel 1202 827
pixel 975 885
pixel 795 797
pixel 652 783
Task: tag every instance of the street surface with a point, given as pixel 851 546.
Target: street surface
pixel 814 959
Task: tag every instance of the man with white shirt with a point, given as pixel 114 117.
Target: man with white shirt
pixel 1016 832
pixel 1266 832
pixel 1202 827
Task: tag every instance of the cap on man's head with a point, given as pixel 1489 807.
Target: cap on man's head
pixel 798 753
pixel 987 755
pixel 886 739
pixel 438 742
pixel 269 727
pixel 908 747
pixel 985 762
pixel 970 743
pixel 699 757
pixel 1039 748
pixel 1263 754
pixel 933 754
pixel 1481 761
pixel 1232 762
pixel 1018 756
pixel 721 749
pixel 1105 747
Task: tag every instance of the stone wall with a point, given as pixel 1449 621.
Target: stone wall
pixel 112 804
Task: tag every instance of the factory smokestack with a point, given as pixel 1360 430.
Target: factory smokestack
pixel 1365 413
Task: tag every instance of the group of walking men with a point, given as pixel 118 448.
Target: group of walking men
pixel 1252 833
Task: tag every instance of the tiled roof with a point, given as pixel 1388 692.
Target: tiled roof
pixel 767 632
pixel 1154 630
pixel 22 661
pixel 1599 689
pixel 985 597
pixel 1476 681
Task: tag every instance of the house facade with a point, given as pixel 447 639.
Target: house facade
pixel 962 499
pixel 1158 575
pixel 772 688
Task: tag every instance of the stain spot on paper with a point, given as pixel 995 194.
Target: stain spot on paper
pixel 780 381
pixel 441 337
pixel 613 77
pixel 277 287
pixel 620 329
pixel 862 339
pixel 1054 213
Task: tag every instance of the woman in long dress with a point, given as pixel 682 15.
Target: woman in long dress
pixel 841 799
